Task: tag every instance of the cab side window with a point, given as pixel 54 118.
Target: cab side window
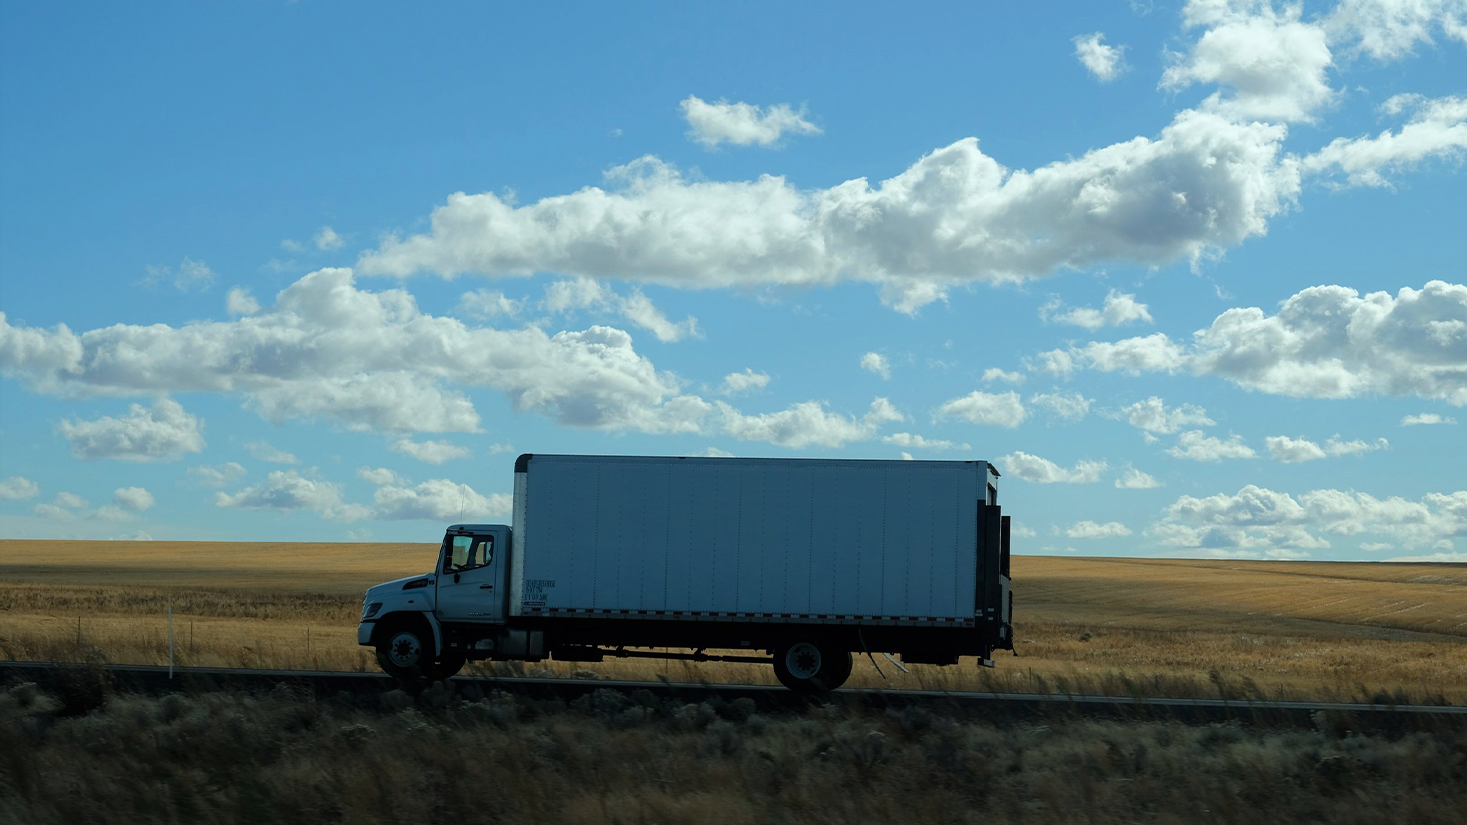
pixel 469 552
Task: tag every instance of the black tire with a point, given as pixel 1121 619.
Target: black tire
pixel 811 667
pixel 405 651
pixel 449 665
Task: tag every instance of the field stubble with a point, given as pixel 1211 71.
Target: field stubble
pixel 1326 631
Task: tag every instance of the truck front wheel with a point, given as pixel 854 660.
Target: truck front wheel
pixel 405 652
pixel 811 667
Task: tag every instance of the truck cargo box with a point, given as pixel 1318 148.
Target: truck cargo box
pixel 837 541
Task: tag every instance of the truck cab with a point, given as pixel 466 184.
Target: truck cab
pixel 430 625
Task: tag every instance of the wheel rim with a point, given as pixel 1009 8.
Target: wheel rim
pixel 404 649
pixel 802 660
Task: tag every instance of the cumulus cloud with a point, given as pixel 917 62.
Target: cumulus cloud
pixel 18 488
pixel 1257 518
pixel 1437 130
pixel 262 451
pixel 1390 29
pixel 955 216
pixel 1324 342
pixel 1271 64
pixel 369 360
pixel 917 442
pixel 285 491
pixel 1195 445
pixel 807 424
pixel 162 433
pixel 742 124
pixel 378 476
pixel 1134 479
pixel 217 476
pixel 996 374
pixel 1153 416
pixel 877 363
pixel 188 275
pixel 327 239
pixel 132 498
pixel 489 303
pixel 1119 308
pixel 429 452
pixel 737 383
pixel 1292 450
pixel 1426 419
pixel 1069 406
pixel 984 408
pixel 584 293
pixel 439 500
pixel 1022 465
pixel 1092 530
pixel 1105 62
pixel 238 301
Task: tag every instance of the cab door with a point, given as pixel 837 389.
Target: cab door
pixel 470 579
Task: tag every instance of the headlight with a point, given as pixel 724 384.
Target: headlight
pixel 371 610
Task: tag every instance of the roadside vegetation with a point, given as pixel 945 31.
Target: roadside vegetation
pixel 609 758
pixel 1325 631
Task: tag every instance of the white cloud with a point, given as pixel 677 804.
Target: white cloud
pixel 430 452
pixel 18 488
pixel 264 452
pixel 1325 342
pixel 906 456
pixel 1152 416
pixel 1197 446
pixel 1134 479
pixel 132 498
pixel 917 442
pixel 1068 406
pixel 1292 450
pixel 742 124
pixel 489 303
pixel 1426 418
pixel 1026 467
pixel 369 360
pixel 189 274
pixel 217 476
pixel 499 447
pixel 1436 558
pixel 983 408
pixel 1020 531
pixel 736 383
pixel 806 424
pixel 70 501
pixel 238 301
pixel 1391 29
pixel 1336 447
pixel 439 500
pixel 327 239
pixel 1259 518
pixel 284 491
pixel 1105 62
pixel 1091 530
pixel 1119 308
pixel 378 476
pixel 877 363
pixel 955 216
pixel 714 452
pixel 1437 130
pixel 996 374
pixel 162 433
pixel 587 294
pixel 1272 65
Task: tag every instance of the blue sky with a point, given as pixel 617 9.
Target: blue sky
pixel 1191 275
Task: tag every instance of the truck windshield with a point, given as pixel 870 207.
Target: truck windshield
pixel 468 552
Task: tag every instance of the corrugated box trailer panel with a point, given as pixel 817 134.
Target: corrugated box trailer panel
pixel 880 538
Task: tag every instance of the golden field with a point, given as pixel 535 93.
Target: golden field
pixel 1084 625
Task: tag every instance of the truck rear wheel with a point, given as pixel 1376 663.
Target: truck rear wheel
pixel 811 667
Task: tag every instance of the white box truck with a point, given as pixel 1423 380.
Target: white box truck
pixel 803 562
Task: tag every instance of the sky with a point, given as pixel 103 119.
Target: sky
pixel 1190 275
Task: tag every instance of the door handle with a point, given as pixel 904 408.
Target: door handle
pixel 486 587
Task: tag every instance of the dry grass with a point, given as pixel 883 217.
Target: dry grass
pixel 1178 628
pixel 612 759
